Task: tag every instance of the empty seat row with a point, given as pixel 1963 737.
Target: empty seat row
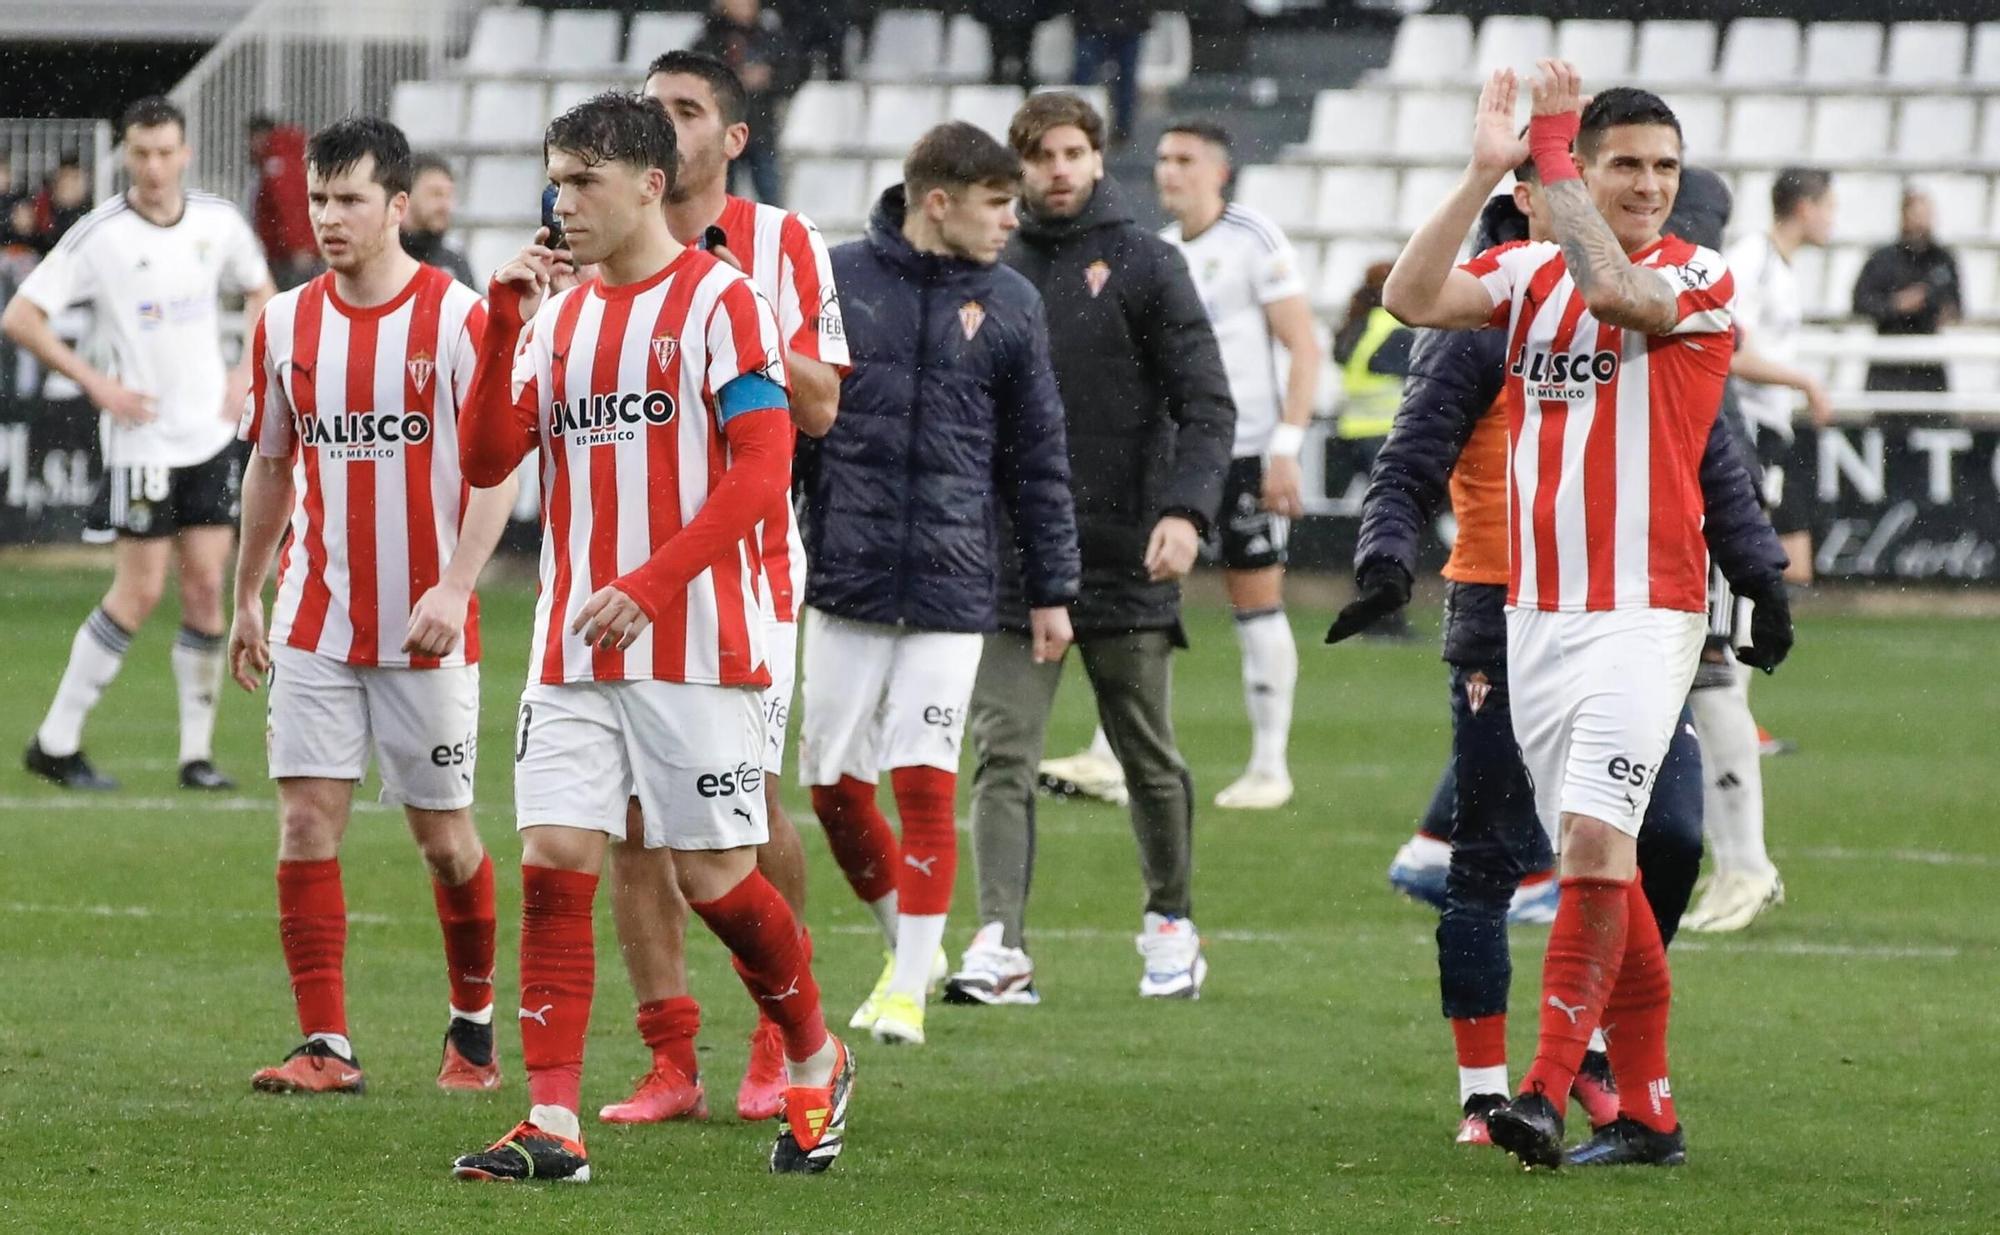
pixel 843 117
pixel 1755 50
pixel 923 45
pixel 531 41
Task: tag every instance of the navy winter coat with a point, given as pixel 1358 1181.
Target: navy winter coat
pixel 949 412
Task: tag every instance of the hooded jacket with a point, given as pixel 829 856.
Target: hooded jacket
pixel 1151 423
pixel 949 414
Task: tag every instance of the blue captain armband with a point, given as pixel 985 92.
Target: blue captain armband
pixel 752 392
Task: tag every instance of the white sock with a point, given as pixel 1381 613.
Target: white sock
pixel 1491 1080
pixel 482 1017
pixel 338 1041
pixel 885 917
pixel 95 656
pixel 198 680
pixel 1428 850
pixel 559 1120
pixel 917 938
pixel 1100 746
pixel 1270 679
pixel 1733 778
pixel 1597 1042
pixel 816 1070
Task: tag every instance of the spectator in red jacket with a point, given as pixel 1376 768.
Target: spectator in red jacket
pixel 278 210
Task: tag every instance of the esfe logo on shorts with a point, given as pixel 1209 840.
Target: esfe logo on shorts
pixel 942 717
pixel 1627 772
pixel 747 778
pixel 1564 377
pixel 456 754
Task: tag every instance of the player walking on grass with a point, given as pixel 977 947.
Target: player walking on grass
pixel 151 263
pixel 784 255
pixel 358 380
pixel 654 394
pixel 1618 347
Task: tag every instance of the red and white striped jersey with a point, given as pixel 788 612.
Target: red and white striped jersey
pixel 785 256
pixel 619 386
pixel 1604 504
pixel 365 402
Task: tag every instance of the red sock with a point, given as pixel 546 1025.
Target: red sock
pixel 1586 945
pixel 668 1028
pixel 558 978
pixel 312 927
pixel 861 839
pixel 466 914
pixel 758 928
pixel 1635 1022
pixel 926 799
pixel 1481 1040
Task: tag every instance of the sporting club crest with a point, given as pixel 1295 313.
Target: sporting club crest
pixel 421 368
pixel 1095 276
pixel 970 318
pixel 1477 687
pixel 665 347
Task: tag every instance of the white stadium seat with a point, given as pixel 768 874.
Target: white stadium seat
pixel 1926 52
pixel 1760 50
pixel 824 116
pixel 1431 47
pixel 501 185
pixel 1989 129
pixel 567 94
pixel 1342 268
pixel 1843 52
pixel 1978 284
pixel 1843 266
pixel 1675 51
pixel 1847 126
pixel 582 40
pixel 882 173
pixel 506 113
pixel 829 191
pixel 1869 207
pixel 899 115
pixel 1704 119
pixel 908 45
pixel 1356 199
pixel 1935 127
pixel 1601 50
pixel 655 33
pixel 1352 122
pixel 1751 195
pixel 506 41
pixel 489 248
pixel 1986 53
pixel 990 107
pixel 1283 192
pixel 1960 198
pixel 1166 58
pixel 968 51
pixel 1053 52
pixel 1420 191
pixel 1767 127
pixel 1434 122
pixel 1510 42
pixel 429 112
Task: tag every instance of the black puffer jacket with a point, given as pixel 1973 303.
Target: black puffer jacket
pixel 1150 419
pixel 949 412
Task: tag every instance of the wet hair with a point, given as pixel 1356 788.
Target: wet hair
pixel 1206 130
pixel 1621 105
pixel 616 127
pixel 955 156
pixel 421 163
pixel 731 101
pixel 344 143
pixel 151 112
pixel 1052 109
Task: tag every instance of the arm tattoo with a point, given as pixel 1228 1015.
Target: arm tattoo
pixel 1598 263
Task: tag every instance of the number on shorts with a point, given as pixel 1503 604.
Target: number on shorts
pixel 521 743
pixel 147 484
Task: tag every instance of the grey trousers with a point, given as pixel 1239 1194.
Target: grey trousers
pixel 1132 676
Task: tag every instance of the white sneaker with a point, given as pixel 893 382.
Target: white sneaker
pixel 1256 791
pixel 1733 901
pixel 992 973
pixel 1086 774
pixel 1175 966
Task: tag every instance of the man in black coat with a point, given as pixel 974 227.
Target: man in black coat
pixel 1910 287
pixel 949 443
pixel 1150 426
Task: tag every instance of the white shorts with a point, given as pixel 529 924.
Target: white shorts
pixel 781 652
pixel 423 724
pixel 692 755
pixel 1595 697
pixel 880 697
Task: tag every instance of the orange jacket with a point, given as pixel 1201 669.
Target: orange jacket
pixel 1479 502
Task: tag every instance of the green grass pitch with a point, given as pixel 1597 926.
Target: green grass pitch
pixel 1835 1065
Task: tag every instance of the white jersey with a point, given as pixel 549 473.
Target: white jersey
pixel 1770 310
pixel 1241 264
pixel 153 294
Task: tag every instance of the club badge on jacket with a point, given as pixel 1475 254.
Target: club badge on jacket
pixel 970 318
pixel 1095 276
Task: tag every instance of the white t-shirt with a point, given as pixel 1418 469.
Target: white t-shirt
pixel 1770 311
pixel 1241 264
pixel 155 324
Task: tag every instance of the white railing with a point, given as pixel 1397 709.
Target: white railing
pixel 310 62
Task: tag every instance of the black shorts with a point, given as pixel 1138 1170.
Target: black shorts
pixel 1248 537
pixel 145 503
pixel 1787 483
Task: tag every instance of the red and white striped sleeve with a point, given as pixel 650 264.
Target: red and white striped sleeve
pixel 808 308
pixel 1503 269
pixel 465 349
pixel 1704 292
pixel 742 337
pixel 267 420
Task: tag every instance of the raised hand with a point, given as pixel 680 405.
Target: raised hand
pixel 1497 146
pixel 1557 89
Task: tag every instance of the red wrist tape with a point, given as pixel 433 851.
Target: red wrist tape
pixel 1549 142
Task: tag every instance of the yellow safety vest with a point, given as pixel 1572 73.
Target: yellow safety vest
pixel 1370 400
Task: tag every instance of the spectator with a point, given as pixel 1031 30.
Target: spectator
pixel 1010 29
pixel 1109 31
pixel 818 28
pixel 64 200
pixel 278 211
pixel 770 67
pixel 433 197
pixel 1907 288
